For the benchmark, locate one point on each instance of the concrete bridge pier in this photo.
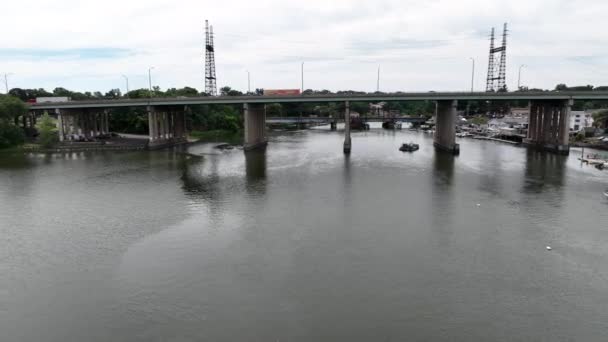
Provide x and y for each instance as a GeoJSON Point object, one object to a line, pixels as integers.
{"type": "Point", "coordinates": [445, 129]}
{"type": "Point", "coordinates": [347, 140]}
{"type": "Point", "coordinates": [166, 127]}
{"type": "Point", "coordinates": [333, 125]}
{"type": "Point", "coordinates": [60, 124]}
{"type": "Point", "coordinates": [548, 126]}
{"type": "Point", "coordinates": [255, 126]}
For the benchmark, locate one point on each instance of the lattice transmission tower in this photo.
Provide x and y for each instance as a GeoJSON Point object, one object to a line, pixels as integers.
{"type": "Point", "coordinates": [497, 82]}
{"type": "Point", "coordinates": [210, 80]}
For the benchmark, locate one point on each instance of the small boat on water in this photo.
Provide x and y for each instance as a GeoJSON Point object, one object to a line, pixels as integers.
{"type": "Point", "coordinates": [606, 193]}
{"type": "Point", "coordinates": [411, 147]}
{"type": "Point", "coordinates": [464, 134]}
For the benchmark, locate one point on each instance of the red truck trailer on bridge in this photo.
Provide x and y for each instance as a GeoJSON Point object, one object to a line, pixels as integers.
{"type": "Point", "coordinates": [281, 92]}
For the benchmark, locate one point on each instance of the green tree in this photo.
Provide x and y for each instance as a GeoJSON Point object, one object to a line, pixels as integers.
{"type": "Point", "coordinates": [139, 94]}
{"type": "Point", "coordinates": [479, 120]}
{"type": "Point", "coordinates": [48, 133]}
{"type": "Point", "coordinates": [600, 119]}
{"type": "Point", "coordinates": [274, 110]}
{"type": "Point", "coordinates": [11, 108]}
{"type": "Point", "coordinates": [227, 91]}
{"type": "Point", "coordinates": [113, 94]}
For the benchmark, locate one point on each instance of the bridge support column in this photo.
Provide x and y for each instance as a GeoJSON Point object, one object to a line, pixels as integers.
{"type": "Point", "coordinates": [152, 125]}
{"type": "Point", "coordinates": [347, 140]}
{"type": "Point", "coordinates": [563, 136]}
{"type": "Point", "coordinates": [171, 120]}
{"type": "Point", "coordinates": [75, 125]}
{"type": "Point", "coordinates": [95, 119]}
{"type": "Point", "coordinates": [445, 128]}
{"type": "Point", "coordinates": [161, 125]}
{"type": "Point", "coordinates": [549, 126]}
{"type": "Point", "coordinates": [255, 126]}
{"type": "Point", "coordinates": [60, 120]}
{"type": "Point", "coordinates": [532, 120]}
{"type": "Point", "coordinates": [104, 122]}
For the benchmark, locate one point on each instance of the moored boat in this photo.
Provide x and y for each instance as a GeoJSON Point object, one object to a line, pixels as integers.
{"type": "Point", "coordinates": [411, 147]}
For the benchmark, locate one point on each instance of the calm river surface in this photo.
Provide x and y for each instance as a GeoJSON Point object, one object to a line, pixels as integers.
{"type": "Point", "coordinates": [301, 243]}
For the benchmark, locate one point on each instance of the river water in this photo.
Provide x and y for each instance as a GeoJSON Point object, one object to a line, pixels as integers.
{"type": "Point", "coordinates": [301, 243]}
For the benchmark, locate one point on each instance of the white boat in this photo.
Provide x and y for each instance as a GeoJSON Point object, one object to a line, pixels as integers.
{"type": "Point", "coordinates": [606, 193]}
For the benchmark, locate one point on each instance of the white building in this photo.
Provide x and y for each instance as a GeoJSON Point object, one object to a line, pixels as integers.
{"type": "Point", "coordinates": [580, 119]}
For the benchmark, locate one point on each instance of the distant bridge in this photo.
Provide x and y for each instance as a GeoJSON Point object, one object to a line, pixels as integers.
{"type": "Point", "coordinates": [328, 120]}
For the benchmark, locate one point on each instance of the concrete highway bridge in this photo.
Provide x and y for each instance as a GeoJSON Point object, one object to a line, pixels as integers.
{"type": "Point", "coordinates": [549, 114]}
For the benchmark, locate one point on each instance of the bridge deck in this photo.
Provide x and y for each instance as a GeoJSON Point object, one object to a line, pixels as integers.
{"type": "Point", "coordinates": [430, 96]}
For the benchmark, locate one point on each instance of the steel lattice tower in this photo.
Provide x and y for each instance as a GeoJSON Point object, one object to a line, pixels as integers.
{"type": "Point", "coordinates": [490, 80]}
{"type": "Point", "coordinates": [497, 83]}
{"type": "Point", "coordinates": [210, 80]}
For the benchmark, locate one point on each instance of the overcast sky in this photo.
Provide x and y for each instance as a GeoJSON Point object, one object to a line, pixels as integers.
{"type": "Point", "coordinates": [419, 45]}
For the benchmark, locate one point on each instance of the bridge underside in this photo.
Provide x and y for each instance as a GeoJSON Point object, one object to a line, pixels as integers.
{"type": "Point", "coordinates": [83, 124]}
{"type": "Point", "coordinates": [549, 126]}
{"type": "Point", "coordinates": [255, 126]}
{"type": "Point", "coordinates": [166, 126]}
{"type": "Point", "coordinates": [445, 127]}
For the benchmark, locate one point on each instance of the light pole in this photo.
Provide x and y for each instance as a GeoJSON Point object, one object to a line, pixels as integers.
{"type": "Point", "coordinates": [519, 77]}
{"type": "Point", "coordinates": [472, 74]}
{"type": "Point", "coordinates": [378, 81]}
{"type": "Point", "coordinates": [150, 79]}
{"type": "Point", "coordinates": [126, 80]}
{"type": "Point", "coordinates": [302, 71]}
{"type": "Point", "coordinates": [248, 83]}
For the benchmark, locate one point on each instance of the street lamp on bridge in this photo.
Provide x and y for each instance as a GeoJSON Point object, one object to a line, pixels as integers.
{"type": "Point", "coordinates": [472, 74]}
{"type": "Point", "coordinates": [519, 77]}
{"type": "Point", "coordinates": [302, 72]}
{"type": "Point", "coordinates": [150, 79]}
{"type": "Point", "coordinates": [127, 81]}
{"type": "Point", "coordinates": [248, 83]}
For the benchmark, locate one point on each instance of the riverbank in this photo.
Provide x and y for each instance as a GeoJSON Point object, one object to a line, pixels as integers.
{"type": "Point", "coordinates": [603, 147]}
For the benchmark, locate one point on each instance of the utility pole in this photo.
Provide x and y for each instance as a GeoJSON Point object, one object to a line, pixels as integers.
{"type": "Point", "coordinates": [378, 81]}
{"type": "Point", "coordinates": [6, 81]}
{"type": "Point", "coordinates": [472, 74]}
{"type": "Point", "coordinates": [302, 71]}
{"type": "Point", "coordinates": [519, 77]}
{"type": "Point", "coordinates": [150, 79]}
{"type": "Point", "coordinates": [127, 81]}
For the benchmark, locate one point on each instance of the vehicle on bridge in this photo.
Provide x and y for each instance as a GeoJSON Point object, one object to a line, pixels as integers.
{"type": "Point", "coordinates": [51, 99]}
{"type": "Point", "coordinates": [281, 92]}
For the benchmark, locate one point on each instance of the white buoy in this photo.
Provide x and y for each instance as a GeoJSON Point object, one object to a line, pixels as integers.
{"type": "Point", "coordinates": [548, 248]}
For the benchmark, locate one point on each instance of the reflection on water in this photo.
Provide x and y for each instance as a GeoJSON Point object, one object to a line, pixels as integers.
{"type": "Point", "coordinates": [544, 171]}
{"type": "Point", "coordinates": [255, 169]}
{"type": "Point", "coordinates": [274, 244]}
